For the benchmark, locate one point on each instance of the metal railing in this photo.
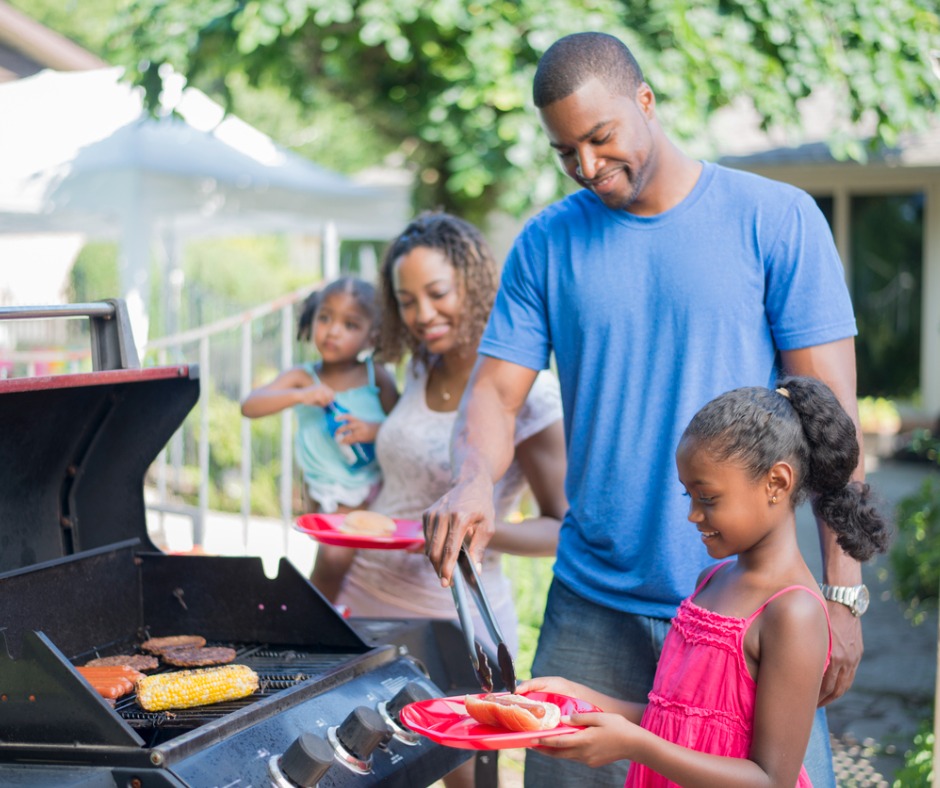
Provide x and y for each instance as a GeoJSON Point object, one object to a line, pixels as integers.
{"type": "Point", "coordinates": [194, 346]}
{"type": "Point", "coordinates": [190, 347]}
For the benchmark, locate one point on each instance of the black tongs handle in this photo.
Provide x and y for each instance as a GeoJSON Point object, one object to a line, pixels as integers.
{"type": "Point", "coordinates": [469, 571]}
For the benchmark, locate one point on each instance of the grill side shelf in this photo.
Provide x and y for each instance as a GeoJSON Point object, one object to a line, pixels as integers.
{"type": "Point", "coordinates": [46, 702]}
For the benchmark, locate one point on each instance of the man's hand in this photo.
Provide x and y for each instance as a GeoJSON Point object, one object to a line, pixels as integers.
{"type": "Point", "coordinates": [847, 651]}
{"type": "Point", "coordinates": [463, 514]}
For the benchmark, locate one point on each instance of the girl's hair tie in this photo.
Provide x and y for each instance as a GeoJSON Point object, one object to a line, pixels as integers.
{"type": "Point", "coordinates": [784, 392]}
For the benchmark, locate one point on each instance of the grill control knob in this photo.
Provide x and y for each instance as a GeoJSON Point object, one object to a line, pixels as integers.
{"type": "Point", "coordinates": [362, 731]}
{"type": "Point", "coordinates": [410, 693]}
{"type": "Point", "coordinates": [307, 760]}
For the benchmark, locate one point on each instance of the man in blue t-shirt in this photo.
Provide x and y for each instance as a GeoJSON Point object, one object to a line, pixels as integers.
{"type": "Point", "coordinates": [662, 283]}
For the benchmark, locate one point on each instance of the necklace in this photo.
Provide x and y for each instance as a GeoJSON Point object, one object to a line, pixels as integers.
{"type": "Point", "coordinates": [458, 380]}
{"type": "Point", "coordinates": [439, 369]}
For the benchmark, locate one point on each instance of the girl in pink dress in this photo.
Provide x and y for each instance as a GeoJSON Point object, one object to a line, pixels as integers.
{"type": "Point", "coordinates": [739, 677]}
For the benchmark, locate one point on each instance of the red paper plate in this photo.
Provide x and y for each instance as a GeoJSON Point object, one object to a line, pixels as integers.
{"type": "Point", "coordinates": [325, 529]}
{"type": "Point", "coordinates": [445, 721]}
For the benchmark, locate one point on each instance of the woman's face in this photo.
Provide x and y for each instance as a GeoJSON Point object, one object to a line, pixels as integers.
{"type": "Point", "coordinates": [430, 301]}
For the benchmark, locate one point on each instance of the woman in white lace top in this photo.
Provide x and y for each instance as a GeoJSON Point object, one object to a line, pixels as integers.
{"type": "Point", "coordinates": [439, 280]}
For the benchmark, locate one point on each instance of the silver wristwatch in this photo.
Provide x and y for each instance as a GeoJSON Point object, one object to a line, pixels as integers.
{"type": "Point", "coordinates": [855, 598]}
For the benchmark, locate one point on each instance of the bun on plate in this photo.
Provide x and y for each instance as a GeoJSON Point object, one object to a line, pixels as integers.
{"type": "Point", "coordinates": [513, 712]}
{"type": "Point", "coordinates": [367, 524]}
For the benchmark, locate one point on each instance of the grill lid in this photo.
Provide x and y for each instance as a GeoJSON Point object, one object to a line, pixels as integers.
{"type": "Point", "coordinates": [74, 451]}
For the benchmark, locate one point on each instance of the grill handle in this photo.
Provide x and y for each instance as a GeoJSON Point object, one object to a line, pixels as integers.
{"type": "Point", "coordinates": [112, 341]}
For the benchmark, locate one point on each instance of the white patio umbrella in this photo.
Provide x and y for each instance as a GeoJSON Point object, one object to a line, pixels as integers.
{"type": "Point", "coordinates": [79, 155]}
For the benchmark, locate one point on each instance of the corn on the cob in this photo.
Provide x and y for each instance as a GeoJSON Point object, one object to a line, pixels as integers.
{"type": "Point", "coordinates": [186, 688]}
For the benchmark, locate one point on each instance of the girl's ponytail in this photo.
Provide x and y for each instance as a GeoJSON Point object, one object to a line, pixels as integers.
{"type": "Point", "coordinates": [832, 455]}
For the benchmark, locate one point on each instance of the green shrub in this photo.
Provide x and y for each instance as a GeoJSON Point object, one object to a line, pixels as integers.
{"type": "Point", "coordinates": [918, 762]}
{"type": "Point", "coordinates": [925, 445]}
{"type": "Point", "coordinates": [915, 556]}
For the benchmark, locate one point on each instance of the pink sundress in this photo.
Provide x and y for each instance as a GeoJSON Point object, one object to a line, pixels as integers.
{"type": "Point", "coordinates": [703, 696]}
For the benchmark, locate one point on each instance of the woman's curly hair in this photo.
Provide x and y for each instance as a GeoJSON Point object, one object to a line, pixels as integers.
{"type": "Point", "coordinates": [477, 279]}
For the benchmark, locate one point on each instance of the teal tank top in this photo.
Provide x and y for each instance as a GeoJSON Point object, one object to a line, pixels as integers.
{"type": "Point", "coordinates": [318, 454]}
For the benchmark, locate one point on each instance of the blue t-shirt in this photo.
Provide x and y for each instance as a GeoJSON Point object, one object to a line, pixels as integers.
{"type": "Point", "coordinates": [649, 318]}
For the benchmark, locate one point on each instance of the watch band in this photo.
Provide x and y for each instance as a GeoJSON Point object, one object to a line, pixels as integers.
{"type": "Point", "coordinates": [853, 597]}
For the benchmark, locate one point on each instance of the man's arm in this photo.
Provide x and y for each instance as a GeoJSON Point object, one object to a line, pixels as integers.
{"type": "Point", "coordinates": [834, 364]}
{"type": "Point", "coordinates": [481, 451]}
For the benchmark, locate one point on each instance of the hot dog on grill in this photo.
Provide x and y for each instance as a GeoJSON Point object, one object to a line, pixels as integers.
{"type": "Point", "coordinates": [513, 712]}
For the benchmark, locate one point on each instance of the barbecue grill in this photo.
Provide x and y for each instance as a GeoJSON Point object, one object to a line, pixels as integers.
{"type": "Point", "coordinates": [80, 578]}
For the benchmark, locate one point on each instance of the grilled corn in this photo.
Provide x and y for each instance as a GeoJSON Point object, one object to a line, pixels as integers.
{"type": "Point", "coordinates": [186, 688]}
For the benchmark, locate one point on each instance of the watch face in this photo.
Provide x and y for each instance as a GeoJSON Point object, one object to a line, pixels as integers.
{"type": "Point", "coordinates": [861, 602]}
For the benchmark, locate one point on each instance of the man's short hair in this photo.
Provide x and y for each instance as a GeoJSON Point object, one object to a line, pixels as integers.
{"type": "Point", "coordinates": [573, 60]}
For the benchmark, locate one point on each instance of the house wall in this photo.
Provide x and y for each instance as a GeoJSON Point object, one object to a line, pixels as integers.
{"type": "Point", "coordinates": [841, 181]}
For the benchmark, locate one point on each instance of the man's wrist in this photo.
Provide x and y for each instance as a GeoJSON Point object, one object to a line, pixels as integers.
{"type": "Point", "coordinates": [856, 597]}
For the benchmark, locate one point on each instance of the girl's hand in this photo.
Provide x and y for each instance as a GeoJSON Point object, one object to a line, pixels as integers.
{"type": "Point", "coordinates": [319, 395]}
{"type": "Point", "coordinates": [356, 430]}
{"type": "Point", "coordinates": [606, 738]}
{"type": "Point", "coordinates": [556, 684]}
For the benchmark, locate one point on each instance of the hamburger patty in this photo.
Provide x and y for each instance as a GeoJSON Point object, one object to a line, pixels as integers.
{"type": "Point", "coordinates": [135, 661]}
{"type": "Point", "coordinates": [197, 657]}
{"type": "Point", "coordinates": [159, 645]}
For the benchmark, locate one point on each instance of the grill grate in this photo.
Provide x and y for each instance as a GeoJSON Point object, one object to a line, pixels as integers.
{"type": "Point", "coordinates": [277, 670]}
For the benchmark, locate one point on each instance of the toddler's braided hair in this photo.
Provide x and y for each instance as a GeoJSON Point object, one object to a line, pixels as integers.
{"type": "Point", "coordinates": [362, 292]}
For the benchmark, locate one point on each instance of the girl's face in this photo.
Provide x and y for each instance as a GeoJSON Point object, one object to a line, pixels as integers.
{"type": "Point", "coordinates": [430, 302]}
{"type": "Point", "coordinates": [730, 509]}
{"type": "Point", "coordinates": [340, 328]}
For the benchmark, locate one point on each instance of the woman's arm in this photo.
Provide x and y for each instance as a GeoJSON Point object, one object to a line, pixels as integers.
{"type": "Point", "coordinates": [293, 387]}
{"type": "Point", "coordinates": [542, 460]}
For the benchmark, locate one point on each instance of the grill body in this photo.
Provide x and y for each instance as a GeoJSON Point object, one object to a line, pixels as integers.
{"type": "Point", "coordinates": [79, 578]}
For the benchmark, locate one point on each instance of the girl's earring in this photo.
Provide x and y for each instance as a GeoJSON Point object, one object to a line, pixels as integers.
{"type": "Point", "coordinates": [774, 499]}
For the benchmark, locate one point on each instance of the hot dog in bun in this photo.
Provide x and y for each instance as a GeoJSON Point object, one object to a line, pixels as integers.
{"type": "Point", "coordinates": [367, 524]}
{"type": "Point", "coordinates": [513, 712]}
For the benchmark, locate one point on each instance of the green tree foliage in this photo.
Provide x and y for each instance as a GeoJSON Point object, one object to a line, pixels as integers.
{"type": "Point", "coordinates": [449, 80]}
{"type": "Point", "coordinates": [94, 276]}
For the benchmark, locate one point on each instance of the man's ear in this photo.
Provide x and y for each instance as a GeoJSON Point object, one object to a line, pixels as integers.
{"type": "Point", "coordinates": [646, 100]}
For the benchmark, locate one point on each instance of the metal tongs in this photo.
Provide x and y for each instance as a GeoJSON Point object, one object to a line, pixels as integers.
{"type": "Point", "coordinates": [468, 577]}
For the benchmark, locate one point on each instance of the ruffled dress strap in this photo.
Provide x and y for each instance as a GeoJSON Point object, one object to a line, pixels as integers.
{"type": "Point", "coordinates": [708, 577]}
{"type": "Point", "coordinates": [756, 613]}
{"type": "Point", "coordinates": [370, 371]}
